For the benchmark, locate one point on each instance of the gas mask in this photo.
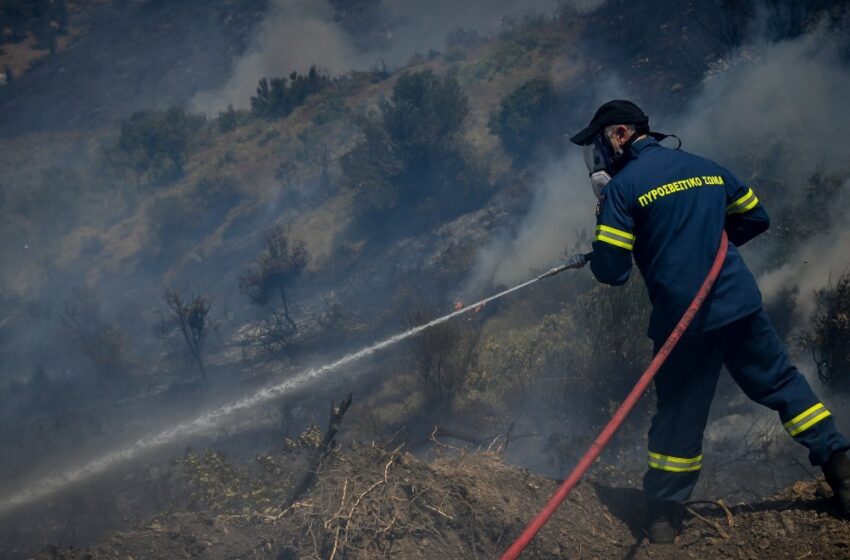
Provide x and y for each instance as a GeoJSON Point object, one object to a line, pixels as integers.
{"type": "Point", "coordinates": [599, 158]}
{"type": "Point", "coordinates": [603, 162]}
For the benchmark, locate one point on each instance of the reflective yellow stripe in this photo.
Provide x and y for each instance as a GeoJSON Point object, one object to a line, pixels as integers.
{"type": "Point", "coordinates": [615, 231]}
{"type": "Point", "coordinates": [752, 204]}
{"type": "Point", "coordinates": [806, 419]}
{"type": "Point", "coordinates": [743, 204]}
{"type": "Point", "coordinates": [674, 464]}
{"type": "Point", "coordinates": [803, 414]}
{"type": "Point", "coordinates": [812, 422]}
{"type": "Point", "coordinates": [615, 237]}
{"type": "Point", "coordinates": [674, 469]}
{"type": "Point", "coordinates": [671, 459]}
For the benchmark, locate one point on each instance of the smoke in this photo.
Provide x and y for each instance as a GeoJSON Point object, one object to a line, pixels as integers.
{"type": "Point", "coordinates": [296, 35]}
{"type": "Point", "coordinates": [424, 25]}
{"type": "Point", "coordinates": [300, 33]}
{"type": "Point", "coordinates": [811, 267]}
{"type": "Point", "coordinates": [775, 109]}
{"type": "Point", "coordinates": [208, 420]}
{"type": "Point", "coordinates": [562, 207]}
{"type": "Point", "coordinates": [560, 215]}
{"type": "Point", "coordinates": [774, 116]}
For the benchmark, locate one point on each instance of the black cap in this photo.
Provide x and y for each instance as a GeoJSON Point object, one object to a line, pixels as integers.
{"type": "Point", "coordinates": [618, 111]}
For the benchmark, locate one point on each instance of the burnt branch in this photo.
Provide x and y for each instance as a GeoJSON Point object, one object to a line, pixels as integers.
{"type": "Point", "coordinates": [306, 481]}
{"type": "Point", "coordinates": [190, 316]}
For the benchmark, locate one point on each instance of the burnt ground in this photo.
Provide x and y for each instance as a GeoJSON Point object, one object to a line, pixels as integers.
{"type": "Point", "coordinates": [373, 503]}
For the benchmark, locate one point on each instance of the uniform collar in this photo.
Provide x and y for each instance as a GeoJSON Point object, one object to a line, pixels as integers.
{"type": "Point", "coordinates": [642, 144]}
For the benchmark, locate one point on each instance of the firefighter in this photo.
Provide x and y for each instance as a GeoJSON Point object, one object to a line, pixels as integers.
{"type": "Point", "coordinates": [667, 208]}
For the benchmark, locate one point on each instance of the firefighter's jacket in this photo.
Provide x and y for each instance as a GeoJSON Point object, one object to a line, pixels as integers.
{"type": "Point", "coordinates": [667, 208]}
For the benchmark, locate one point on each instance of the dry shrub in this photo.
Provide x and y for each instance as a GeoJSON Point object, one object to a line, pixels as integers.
{"type": "Point", "coordinates": [260, 489]}
{"type": "Point", "coordinates": [608, 347]}
{"type": "Point", "coordinates": [590, 350]}
{"type": "Point", "coordinates": [829, 338]}
{"type": "Point", "coordinates": [190, 316]}
{"type": "Point", "coordinates": [275, 269]}
{"type": "Point", "coordinates": [372, 503]}
{"type": "Point", "coordinates": [102, 343]}
{"type": "Point", "coordinates": [441, 356]}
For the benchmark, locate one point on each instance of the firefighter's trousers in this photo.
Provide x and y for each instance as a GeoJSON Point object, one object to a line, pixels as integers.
{"type": "Point", "coordinates": [685, 385]}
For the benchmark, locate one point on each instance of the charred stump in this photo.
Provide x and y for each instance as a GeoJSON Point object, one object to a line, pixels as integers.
{"type": "Point", "coordinates": [318, 455]}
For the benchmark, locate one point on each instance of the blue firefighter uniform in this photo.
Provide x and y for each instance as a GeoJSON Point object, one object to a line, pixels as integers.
{"type": "Point", "coordinates": [667, 208]}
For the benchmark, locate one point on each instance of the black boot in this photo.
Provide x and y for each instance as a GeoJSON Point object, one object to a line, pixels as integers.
{"type": "Point", "coordinates": [837, 473]}
{"type": "Point", "coordinates": [663, 520]}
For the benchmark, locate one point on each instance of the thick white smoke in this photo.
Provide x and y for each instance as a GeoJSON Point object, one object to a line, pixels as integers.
{"type": "Point", "coordinates": [772, 115]}
{"type": "Point", "coordinates": [775, 109]}
{"type": "Point", "coordinates": [811, 267]}
{"type": "Point", "coordinates": [561, 208]}
{"type": "Point", "coordinates": [300, 33]}
{"type": "Point", "coordinates": [295, 35]}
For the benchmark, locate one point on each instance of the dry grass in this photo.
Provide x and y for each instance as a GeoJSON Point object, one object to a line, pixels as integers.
{"type": "Point", "coordinates": [320, 227]}
{"type": "Point", "coordinates": [20, 56]}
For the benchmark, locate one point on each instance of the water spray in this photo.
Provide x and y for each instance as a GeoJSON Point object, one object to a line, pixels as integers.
{"type": "Point", "coordinates": [49, 485]}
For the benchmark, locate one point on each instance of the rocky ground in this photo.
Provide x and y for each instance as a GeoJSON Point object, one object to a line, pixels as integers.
{"type": "Point", "coordinates": [370, 503]}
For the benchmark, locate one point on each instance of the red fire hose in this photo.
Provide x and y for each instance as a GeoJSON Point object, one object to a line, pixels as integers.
{"type": "Point", "coordinates": [597, 446]}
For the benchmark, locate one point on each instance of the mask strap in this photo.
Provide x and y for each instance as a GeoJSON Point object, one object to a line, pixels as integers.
{"type": "Point", "coordinates": [660, 136]}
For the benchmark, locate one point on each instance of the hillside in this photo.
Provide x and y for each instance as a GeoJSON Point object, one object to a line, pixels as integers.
{"type": "Point", "coordinates": [370, 503]}
{"type": "Point", "coordinates": [100, 85]}
{"type": "Point", "coordinates": [160, 267]}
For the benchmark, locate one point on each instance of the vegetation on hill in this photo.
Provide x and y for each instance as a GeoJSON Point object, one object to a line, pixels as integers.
{"type": "Point", "coordinates": [829, 339]}
{"type": "Point", "coordinates": [413, 161]}
{"type": "Point", "coordinates": [333, 212]}
{"type": "Point", "coordinates": [156, 143]}
{"type": "Point", "coordinates": [529, 118]}
{"type": "Point", "coordinates": [278, 97]}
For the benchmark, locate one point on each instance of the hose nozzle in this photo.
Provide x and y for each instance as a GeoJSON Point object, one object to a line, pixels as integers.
{"type": "Point", "coordinates": [576, 261]}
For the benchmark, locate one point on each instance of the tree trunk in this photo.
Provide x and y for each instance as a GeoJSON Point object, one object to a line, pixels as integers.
{"type": "Point", "coordinates": [306, 481]}
{"type": "Point", "coordinates": [286, 315]}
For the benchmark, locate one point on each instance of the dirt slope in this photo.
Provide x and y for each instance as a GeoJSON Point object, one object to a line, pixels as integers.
{"type": "Point", "coordinates": [370, 503]}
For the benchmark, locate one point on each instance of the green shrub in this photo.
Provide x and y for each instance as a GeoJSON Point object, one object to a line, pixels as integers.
{"type": "Point", "coordinates": [529, 119]}
{"type": "Point", "coordinates": [231, 118]}
{"type": "Point", "coordinates": [274, 271]}
{"type": "Point", "coordinates": [591, 351]}
{"type": "Point", "coordinates": [215, 195]}
{"type": "Point", "coordinates": [156, 143]}
{"type": "Point", "coordinates": [329, 110]}
{"type": "Point", "coordinates": [370, 169]}
{"type": "Point", "coordinates": [178, 220]}
{"type": "Point", "coordinates": [278, 97]}
{"type": "Point", "coordinates": [440, 357]}
{"type": "Point", "coordinates": [425, 115]}
{"type": "Point", "coordinates": [413, 159]}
